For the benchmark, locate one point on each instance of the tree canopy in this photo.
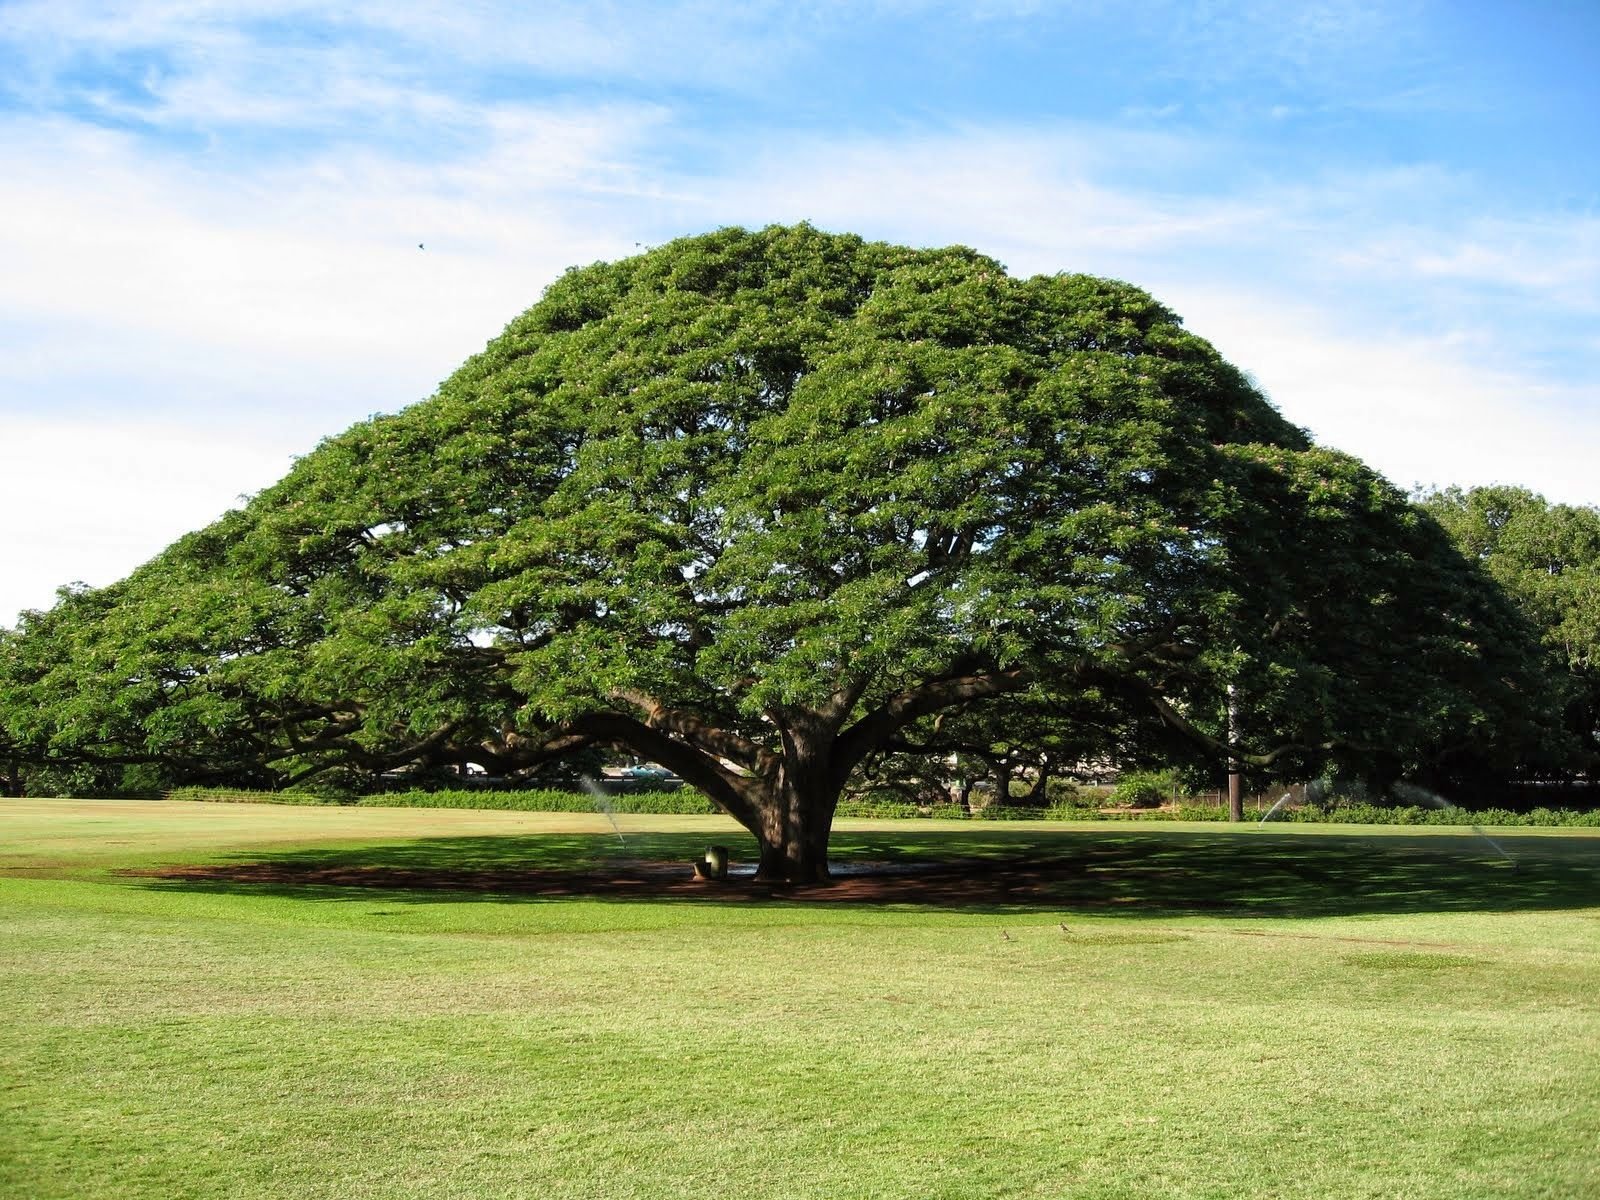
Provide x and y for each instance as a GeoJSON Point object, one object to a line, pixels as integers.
{"type": "Point", "coordinates": [1547, 558]}
{"type": "Point", "coordinates": [756, 504]}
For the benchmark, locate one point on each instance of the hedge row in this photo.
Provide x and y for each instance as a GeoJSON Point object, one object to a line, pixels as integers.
{"type": "Point", "coordinates": [680, 801]}
{"type": "Point", "coordinates": [684, 800]}
{"type": "Point", "coordinates": [1414, 814]}
{"type": "Point", "coordinates": [689, 801]}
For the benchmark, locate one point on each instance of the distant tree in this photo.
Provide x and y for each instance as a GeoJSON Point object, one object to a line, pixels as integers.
{"type": "Point", "coordinates": [1010, 748]}
{"type": "Point", "coordinates": [760, 506]}
{"type": "Point", "coordinates": [1547, 558]}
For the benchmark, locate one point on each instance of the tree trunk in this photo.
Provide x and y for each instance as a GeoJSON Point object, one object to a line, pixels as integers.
{"type": "Point", "coordinates": [1002, 783]}
{"type": "Point", "coordinates": [795, 824]}
{"type": "Point", "coordinates": [1235, 767]}
{"type": "Point", "coordinates": [796, 811]}
{"type": "Point", "coordinates": [1039, 793]}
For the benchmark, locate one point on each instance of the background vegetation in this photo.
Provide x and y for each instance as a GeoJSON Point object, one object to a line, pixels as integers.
{"type": "Point", "coordinates": [1075, 806]}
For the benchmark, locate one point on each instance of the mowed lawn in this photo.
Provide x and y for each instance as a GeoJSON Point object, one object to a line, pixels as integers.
{"type": "Point", "coordinates": [1200, 1011]}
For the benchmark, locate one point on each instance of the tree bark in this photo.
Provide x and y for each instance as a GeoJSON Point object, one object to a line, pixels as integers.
{"type": "Point", "coordinates": [785, 800]}
{"type": "Point", "coordinates": [796, 808]}
{"type": "Point", "coordinates": [1039, 793]}
{"type": "Point", "coordinates": [1002, 782]}
{"type": "Point", "coordinates": [1235, 767]}
{"type": "Point", "coordinates": [793, 835]}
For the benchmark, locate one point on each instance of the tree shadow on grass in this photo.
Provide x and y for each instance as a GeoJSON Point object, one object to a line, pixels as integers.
{"type": "Point", "coordinates": [1157, 872]}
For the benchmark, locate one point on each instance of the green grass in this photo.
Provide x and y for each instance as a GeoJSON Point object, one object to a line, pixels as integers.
{"type": "Point", "coordinates": [1299, 1012]}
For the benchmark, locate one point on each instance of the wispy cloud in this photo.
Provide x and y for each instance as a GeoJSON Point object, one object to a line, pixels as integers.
{"type": "Point", "coordinates": [171, 61]}
{"type": "Point", "coordinates": [1554, 260]}
{"type": "Point", "coordinates": [316, 262]}
{"type": "Point", "coordinates": [120, 493]}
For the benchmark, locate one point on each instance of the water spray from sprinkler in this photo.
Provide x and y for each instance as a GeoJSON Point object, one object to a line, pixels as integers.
{"type": "Point", "coordinates": [1282, 800]}
{"type": "Point", "coordinates": [1408, 791]}
{"type": "Point", "coordinates": [602, 802]}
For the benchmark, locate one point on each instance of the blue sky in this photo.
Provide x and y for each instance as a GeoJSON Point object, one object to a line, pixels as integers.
{"type": "Point", "coordinates": [1389, 213]}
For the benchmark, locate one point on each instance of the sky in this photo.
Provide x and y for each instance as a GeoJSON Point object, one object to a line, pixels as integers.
{"type": "Point", "coordinates": [232, 229]}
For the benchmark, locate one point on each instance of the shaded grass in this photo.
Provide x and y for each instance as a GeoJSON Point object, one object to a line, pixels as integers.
{"type": "Point", "coordinates": [1362, 1016]}
{"type": "Point", "coordinates": [1145, 873]}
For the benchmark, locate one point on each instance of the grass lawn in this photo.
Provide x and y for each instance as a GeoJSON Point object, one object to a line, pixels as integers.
{"type": "Point", "coordinates": [1307, 1011]}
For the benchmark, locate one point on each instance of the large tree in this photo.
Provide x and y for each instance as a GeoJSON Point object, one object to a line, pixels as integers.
{"type": "Point", "coordinates": [1547, 558]}
{"type": "Point", "coordinates": [754, 504]}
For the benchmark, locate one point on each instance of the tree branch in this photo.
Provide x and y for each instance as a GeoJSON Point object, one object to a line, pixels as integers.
{"type": "Point", "coordinates": [734, 793]}
{"type": "Point", "coordinates": [712, 739]}
{"type": "Point", "coordinates": [1218, 747]}
{"type": "Point", "coordinates": [875, 729]}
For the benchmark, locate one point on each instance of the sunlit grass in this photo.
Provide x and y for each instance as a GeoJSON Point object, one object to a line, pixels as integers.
{"type": "Point", "coordinates": [1205, 1013]}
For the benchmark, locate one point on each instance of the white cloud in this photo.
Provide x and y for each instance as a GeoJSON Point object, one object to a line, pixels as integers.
{"type": "Point", "coordinates": [1553, 259]}
{"type": "Point", "coordinates": [264, 60]}
{"type": "Point", "coordinates": [1420, 410]}
{"type": "Point", "coordinates": [305, 269]}
{"type": "Point", "coordinates": [179, 334]}
{"type": "Point", "coordinates": [89, 502]}
{"type": "Point", "coordinates": [1040, 200]}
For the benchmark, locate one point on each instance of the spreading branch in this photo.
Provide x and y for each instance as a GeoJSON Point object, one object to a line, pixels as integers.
{"type": "Point", "coordinates": [872, 731]}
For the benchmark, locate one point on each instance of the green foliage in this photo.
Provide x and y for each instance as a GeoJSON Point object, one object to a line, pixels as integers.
{"type": "Point", "coordinates": [885, 809]}
{"type": "Point", "coordinates": [1144, 789]}
{"type": "Point", "coordinates": [1009, 812]}
{"type": "Point", "coordinates": [1546, 555]}
{"type": "Point", "coordinates": [1064, 793]}
{"type": "Point", "coordinates": [686, 801]}
{"type": "Point", "coordinates": [683, 800]}
{"type": "Point", "coordinates": [1547, 558]}
{"type": "Point", "coordinates": [1359, 813]}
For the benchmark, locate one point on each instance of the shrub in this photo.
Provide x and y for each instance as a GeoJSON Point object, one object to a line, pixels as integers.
{"type": "Point", "coordinates": [688, 801]}
{"type": "Point", "coordinates": [1010, 812]}
{"type": "Point", "coordinates": [681, 801]}
{"type": "Point", "coordinates": [215, 795]}
{"type": "Point", "coordinates": [1144, 789]}
{"type": "Point", "coordinates": [1062, 793]}
{"type": "Point", "coordinates": [1206, 812]}
{"type": "Point", "coordinates": [949, 812]}
{"type": "Point", "coordinates": [1071, 812]}
{"type": "Point", "coordinates": [883, 809]}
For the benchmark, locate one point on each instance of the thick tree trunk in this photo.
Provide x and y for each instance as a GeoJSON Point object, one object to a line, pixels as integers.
{"type": "Point", "coordinates": [794, 837]}
{"type": "Point", "coordinates": [796, 812]}
{"type": "Point", "coordinates": [786, 800]}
